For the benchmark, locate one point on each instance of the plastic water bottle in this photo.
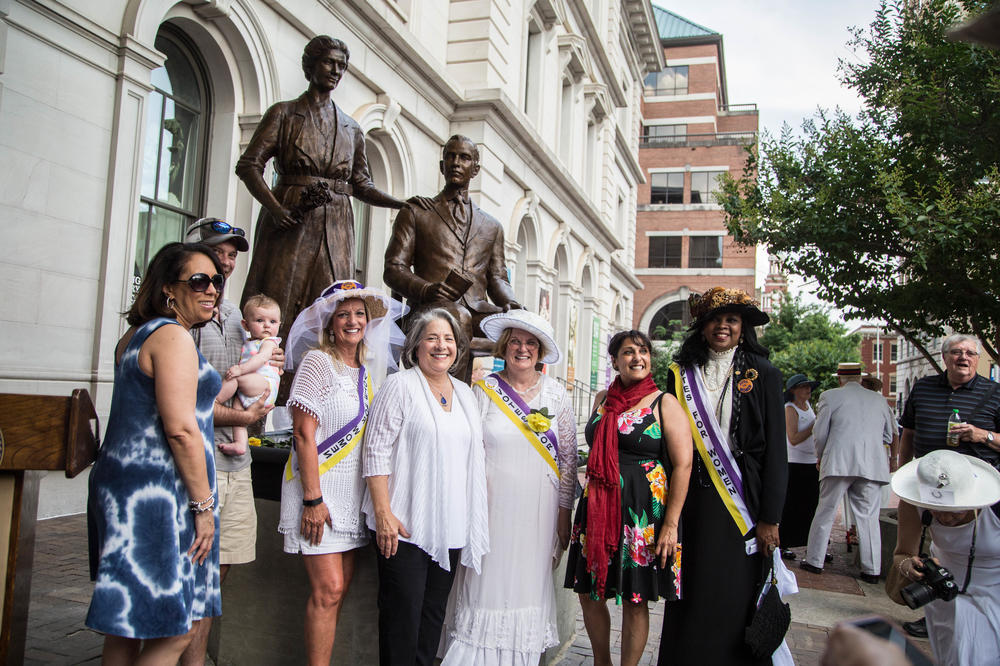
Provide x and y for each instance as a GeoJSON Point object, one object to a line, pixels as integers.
{"type": "Point", "coordinates": [953, 420]}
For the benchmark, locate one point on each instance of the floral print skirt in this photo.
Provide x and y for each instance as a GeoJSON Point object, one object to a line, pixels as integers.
{"type": "Point", "coordinates": [634, 573]}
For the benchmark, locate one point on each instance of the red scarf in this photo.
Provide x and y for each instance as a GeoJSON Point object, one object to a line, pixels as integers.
{"type": "Point", "coordinates": [604, 491]}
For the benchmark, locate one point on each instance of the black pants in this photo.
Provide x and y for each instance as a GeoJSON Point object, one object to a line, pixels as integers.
{"type": "Point", "coordinates": [412, 597]}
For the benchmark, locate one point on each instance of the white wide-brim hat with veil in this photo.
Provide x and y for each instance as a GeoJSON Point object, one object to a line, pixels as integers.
{"type": "Point", "coordinates": [383, 338]}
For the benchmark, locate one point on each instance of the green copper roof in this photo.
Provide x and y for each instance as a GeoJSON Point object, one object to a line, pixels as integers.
{"type": "Point", "coordinates": [672, 26]}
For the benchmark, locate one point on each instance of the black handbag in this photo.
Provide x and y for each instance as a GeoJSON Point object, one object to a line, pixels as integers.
{"type": "Point", "coordinates": [770, 620]}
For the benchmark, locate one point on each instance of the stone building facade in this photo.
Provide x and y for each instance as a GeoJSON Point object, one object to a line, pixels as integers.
{"type": "Point", "coordinates": [122, 120]}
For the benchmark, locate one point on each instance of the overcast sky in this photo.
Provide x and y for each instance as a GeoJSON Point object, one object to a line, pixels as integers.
{"type": "Point", "coordinates": [782, 54]}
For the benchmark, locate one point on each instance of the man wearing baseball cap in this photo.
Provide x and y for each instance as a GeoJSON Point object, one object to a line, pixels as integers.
{"type": "Point", "coordinates": [220, 342]}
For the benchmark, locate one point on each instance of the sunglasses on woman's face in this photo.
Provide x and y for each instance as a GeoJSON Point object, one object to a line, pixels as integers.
{"type": "Point", "coordinates": [220, 227]}
{"type": "Point", "coordinates": [200, 281]}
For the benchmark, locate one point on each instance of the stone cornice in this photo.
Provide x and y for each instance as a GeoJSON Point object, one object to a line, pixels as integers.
{"type": "Point", "coordinates": [494, 107]}
{"type": "Point", "coordinates": [643, 25]}
{"type": "Point", "coordinates": [625, 273]}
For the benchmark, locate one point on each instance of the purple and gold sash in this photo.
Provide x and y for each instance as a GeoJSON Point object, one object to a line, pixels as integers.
{"type": "Point", "coordinates": [713, 447]}
{"type": "Point", "coordinates": [513, 407]}
{"type": "Point", "coordinates": [335, 448]}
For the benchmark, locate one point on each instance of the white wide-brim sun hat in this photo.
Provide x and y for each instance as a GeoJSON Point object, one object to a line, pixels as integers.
{"type": "Point", "coordinates": [525, 320]}
{"type": "Point", "coordinates": [947, 481]}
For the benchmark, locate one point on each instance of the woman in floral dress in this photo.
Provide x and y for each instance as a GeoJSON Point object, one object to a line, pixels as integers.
{"type": "Point", "coordinates": [625, 542]}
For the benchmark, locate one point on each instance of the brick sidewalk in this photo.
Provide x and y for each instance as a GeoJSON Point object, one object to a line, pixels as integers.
{"type": "Point", "coordinates": [60, 594]}
{"type": "Point", "coordinates": [61, 590]}
{"type": "Point", "coordinates": [806, 641]}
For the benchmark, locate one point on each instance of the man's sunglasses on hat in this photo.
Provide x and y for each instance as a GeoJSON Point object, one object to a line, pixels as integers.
{"type": "Point", "coordinates": [220, 227]}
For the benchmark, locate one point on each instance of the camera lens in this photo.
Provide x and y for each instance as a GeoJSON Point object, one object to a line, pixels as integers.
{"type": "Point", "coordinates": [917, 594]}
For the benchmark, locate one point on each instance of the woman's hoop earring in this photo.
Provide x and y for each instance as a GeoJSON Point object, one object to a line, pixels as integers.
{"type": "Point", "coordinates": [171, 301]}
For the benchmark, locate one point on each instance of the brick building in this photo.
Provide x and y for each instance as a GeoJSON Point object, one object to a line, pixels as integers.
{"type": "Point", "coordinates": [879, 355]}
{"type": "Point", "coordinates": [691, 135]}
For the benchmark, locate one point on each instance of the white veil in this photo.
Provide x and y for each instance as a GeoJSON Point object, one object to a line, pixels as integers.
{"type": "Point", "coordinates": [383, 338]}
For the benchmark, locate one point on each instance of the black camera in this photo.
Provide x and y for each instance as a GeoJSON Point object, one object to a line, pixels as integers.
{"type": "Point", "coordinates": [938, 583]}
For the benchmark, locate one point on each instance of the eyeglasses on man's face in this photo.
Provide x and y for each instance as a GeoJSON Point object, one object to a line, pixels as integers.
{"type": "Point", "coordinates": [959, 353]}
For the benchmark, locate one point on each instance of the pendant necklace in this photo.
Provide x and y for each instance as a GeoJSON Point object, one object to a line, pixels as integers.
{"type": "Point", "coordinates": [440, 393]}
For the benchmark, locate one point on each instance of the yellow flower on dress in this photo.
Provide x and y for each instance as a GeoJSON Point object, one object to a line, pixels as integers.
{"type": "Point", "coordinates": [254, 441]}
{"type": "Point", "coordinates": [658, 483]}
{"type": "Point", "coordinates": [649, 537]}
{"type": "Point", "coordinates": [539, 420]}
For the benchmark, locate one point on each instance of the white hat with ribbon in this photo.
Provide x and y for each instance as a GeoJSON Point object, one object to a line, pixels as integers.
{"type": "Point", "coordinates": [525, 320]}
{"type": "Point", "coordinates": [947, 481]}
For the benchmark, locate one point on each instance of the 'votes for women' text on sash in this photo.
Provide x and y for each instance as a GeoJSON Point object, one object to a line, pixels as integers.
{"type": "Point", "coordinates": [513, 407]}
{"type": "Point", "coordinates": [336, 447]}
{"type": "Point", "coordinates": [713, 447]}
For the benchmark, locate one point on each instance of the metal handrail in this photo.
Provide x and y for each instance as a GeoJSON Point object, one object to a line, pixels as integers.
{"type": "Point", "coordinates": [716, 139]}
{"type": "Point", "coordinates": [738, 108]}
{"type": "Point", "coordinates": [582, 397]}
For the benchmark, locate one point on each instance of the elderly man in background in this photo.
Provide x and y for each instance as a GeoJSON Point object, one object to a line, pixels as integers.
{"type": "Point", "coordinates": [852, 427]}
{"type": "Point", "coordinates": [220, 342]}
{"type": "Point", "coordinates": [935, 398]}
{"type": "Point", "coordinates": [925, 419]}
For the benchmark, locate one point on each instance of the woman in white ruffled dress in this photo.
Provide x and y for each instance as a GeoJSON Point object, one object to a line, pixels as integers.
{"type": "Point", "coordinates": [505, 615]}
{"type": "Point", "coordinates": [340, 349]}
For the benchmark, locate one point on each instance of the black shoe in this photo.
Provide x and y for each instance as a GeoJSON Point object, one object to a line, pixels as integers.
{"type": "Point", "coordinates": [917, 628]}
{"type": "Point", "coordinates": [872, 579]}
{"type": "Point", "coordinates": [787, 554]}
{"type": "Point", "coordinates": [805, 566]}
{"type": "Point", "coordinates": [828, 558]}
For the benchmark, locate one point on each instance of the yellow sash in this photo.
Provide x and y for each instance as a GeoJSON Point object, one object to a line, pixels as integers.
{"type": "Point", "coordinates": [519, 422]}
{"type": "Point", "coordinates": [345, 444]}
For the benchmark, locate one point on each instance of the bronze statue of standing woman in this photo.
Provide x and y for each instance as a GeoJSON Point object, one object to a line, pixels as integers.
{"type": "Point", "coordinates": [305, 234]}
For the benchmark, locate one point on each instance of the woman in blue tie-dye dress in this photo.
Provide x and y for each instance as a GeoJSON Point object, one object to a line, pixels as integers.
{"type": "Point", "coordinates": [154, 546]}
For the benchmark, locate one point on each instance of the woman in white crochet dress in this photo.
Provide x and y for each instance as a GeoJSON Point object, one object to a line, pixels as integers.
{"type": "Point", "coordinates": [339, 347]}
{"type": "Point", "coordinates": [506, 614]}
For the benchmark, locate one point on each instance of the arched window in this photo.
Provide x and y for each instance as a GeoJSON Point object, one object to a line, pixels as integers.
{"type": "Point", "coordinates": [173, 160]}
{"type": "Point", "coordinates": [671, 318]}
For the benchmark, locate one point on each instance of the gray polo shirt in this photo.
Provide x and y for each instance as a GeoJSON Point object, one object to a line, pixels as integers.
{"type": "Point", "coordinates": [220, 342]}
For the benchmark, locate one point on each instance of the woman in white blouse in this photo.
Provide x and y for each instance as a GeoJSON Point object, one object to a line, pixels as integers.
{"type": "Point", "coordinates": [322, 487]}
{"type": "Point", "coordinates": [506, 613]}
{"type": "Point", "coordinates": [426, 501]}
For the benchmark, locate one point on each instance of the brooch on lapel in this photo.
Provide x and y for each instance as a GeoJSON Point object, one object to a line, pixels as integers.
{"type": "Point", "coordinates": [745, 385]}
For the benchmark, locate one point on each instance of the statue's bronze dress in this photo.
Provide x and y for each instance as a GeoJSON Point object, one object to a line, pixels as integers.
{"type": "Point", "coordinates": [294, 265]}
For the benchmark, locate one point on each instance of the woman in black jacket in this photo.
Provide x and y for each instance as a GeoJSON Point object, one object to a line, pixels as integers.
{"type": "Point", "coordinates": [732, 394]}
